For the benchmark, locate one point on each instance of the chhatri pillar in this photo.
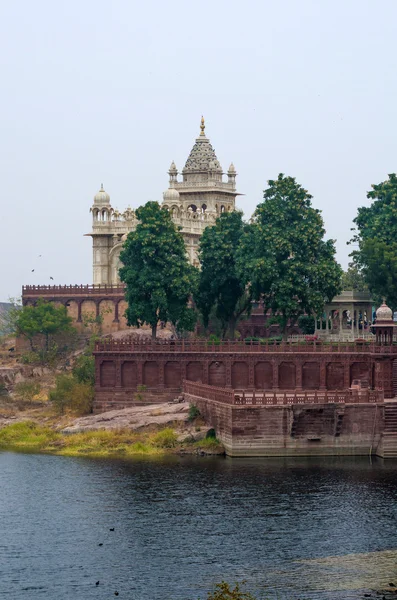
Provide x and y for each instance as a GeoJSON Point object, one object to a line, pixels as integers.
{"type": "Point", "coordinates": [384, 326]}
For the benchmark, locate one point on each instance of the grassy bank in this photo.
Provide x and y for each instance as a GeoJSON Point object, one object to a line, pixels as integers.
{"type": "Point", "coordinates": [28, 436]}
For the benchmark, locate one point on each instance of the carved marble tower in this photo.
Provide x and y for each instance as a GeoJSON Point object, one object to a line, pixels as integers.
{"type": "Point", "coordinates": [194, 203]}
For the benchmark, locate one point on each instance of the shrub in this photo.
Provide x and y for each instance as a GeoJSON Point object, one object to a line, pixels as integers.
{"type": "Point", "coordinates": [193, 413]}
{"type": "Point", "coordinates": [248, 340]}
{"type": "Point", "coordinates": [84, 369]}
{"type": "Point", "coordinates": [211, 434]}
{"type": "Point", "coordinates": [306, 324]}
{"type": "Point", "coordinates": [166, 438]}
{"type": "Point", "coordinates": [69, 393]}
{"type": "Point", "coordinates": [27, 390]}
{"type": "Point", "coordinates": [223, 591]}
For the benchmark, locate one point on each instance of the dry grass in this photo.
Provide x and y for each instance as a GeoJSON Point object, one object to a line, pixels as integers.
{"type": "Point", "coordinates": [29, 436]}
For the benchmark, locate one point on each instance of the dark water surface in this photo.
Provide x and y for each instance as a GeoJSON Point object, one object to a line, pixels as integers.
{"type": "Point", "coordinates": [304, 528]}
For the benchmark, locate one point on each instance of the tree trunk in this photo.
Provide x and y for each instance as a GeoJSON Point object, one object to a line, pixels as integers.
{"type": "Point", "coordinates": [154, 331]}
{"type": "Point", "coordinates": [284, 328]}
{"type": "Point", "coordinates": [232, 327]}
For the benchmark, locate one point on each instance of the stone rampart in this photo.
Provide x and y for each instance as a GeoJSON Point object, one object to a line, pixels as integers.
{"type": "Point", "coordinates": [122, 366]}
{"type": "Point", "coordinates": [347, 422]}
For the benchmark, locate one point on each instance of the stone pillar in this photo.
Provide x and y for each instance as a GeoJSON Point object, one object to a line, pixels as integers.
{"type": "Point", "coordinates": [298, 371]}
{"type": "Point", "coordinates": [323, 375]}
{"type": "Point", "coordinates": [378, 384]}
{"type": "Point", "coordinates": [340, 320]}
{"type": "Point", "coordinates": [228, 366]}
{"type": "Point", "coordinates": [116, 311]}
{"type": "Point", "coordinates": [161, 373]}
{"type": "Point", "coordinates": [346, 374]}
{"type": "Point", "coordinates": [98, 372]}
{"type": "Point", "coordinates": [251, 374]}
{"type": "Point", "coordinates": [275, 374]}
{"type": "Point", "coordinates": [205, 371]}
{"type": "Point", "coordinates": [139, 372]}
{"type": "Point", "coordinates": [79, 305]}
{"type": "Point", "coordinates": [118, 372]}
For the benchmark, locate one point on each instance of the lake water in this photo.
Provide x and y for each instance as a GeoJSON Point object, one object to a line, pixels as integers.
{"type": "Point", "coordinates": [305, 528]}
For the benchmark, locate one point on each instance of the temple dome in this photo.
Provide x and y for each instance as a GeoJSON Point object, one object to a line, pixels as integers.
{"type": "Point", "coordinates": [201, 155]}
{"type": "Point", "coordinates": [232, 168]}
{"type": "Point", "coordinates": [102, 197]}
{"type": "Point", "coordinates": [173, 170]}
{"type": "Point", "coordinates": [171, 195]}
{"type": "Point", "coordinates": [384, 313]}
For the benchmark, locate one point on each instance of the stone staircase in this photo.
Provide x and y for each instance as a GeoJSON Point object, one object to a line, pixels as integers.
{"type": "Point", "coordinates": [390, 431]}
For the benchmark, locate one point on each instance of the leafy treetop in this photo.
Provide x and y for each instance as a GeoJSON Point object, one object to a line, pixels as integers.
{"type": "Point", "coordinates": [158, 276]}
{"type": "Point", "coordinates": [40, 323]}
{"type": "Point", "coordinates": [221, 285]}
{"type": "Point", "coordinates": [284, 255]}
{"type": "Point", "coordinates": [376, 236]}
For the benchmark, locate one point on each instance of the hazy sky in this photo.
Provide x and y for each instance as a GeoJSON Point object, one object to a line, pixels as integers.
{"type": "Point", "coordinates": [112, 91]}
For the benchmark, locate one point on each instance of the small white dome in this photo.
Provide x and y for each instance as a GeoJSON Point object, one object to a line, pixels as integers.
{"type": "Point", "coordinates": [171, 195]}
{"type": "Point", "coordinates": [173, 169]}
{"type": "Point", "coordinates": [384, 313]}
{"type": "Point", "coordinates": [102, 197]}
{"type": "Point", "coordinates": [232, 168]}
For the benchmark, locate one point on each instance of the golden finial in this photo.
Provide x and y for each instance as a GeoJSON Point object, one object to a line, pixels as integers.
{"type": "Point", "coordinates": [202, 126]}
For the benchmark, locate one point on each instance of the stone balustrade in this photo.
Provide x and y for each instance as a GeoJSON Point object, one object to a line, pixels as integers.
{"type": "Point", "coordinates": [224, 346]}
{"type": "Point", "coordinates": [280, 398]}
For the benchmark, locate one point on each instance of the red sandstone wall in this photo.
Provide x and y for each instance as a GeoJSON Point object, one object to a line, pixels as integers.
{"type": "Point", "coordinates": [296, 430]}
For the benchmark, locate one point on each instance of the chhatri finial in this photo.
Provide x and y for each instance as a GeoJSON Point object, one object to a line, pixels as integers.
{"type": "Point", "coordinates": [202, 126]}
{"type": "Point", "coordinates": [101, 187]}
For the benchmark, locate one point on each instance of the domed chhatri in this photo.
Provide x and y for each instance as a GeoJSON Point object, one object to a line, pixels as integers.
{"type": "Point", "coordinates": [101, 197]}
{"type": "Point", "coordinates": [384, 313]}
{"type": "Point", "coordinates": [173, 170]}
{"type": "Point", "coordinates": [171, 195]}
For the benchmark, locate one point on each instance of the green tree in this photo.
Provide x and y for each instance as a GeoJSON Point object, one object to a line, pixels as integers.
{"type": "Point", "coordinates": [222, 286]}
{"type": "Point", "coordinates": [84, 369]}
{"type": "Point", "coordinates": [158, 277]}
{"type": "Point", "coordinates": [376, 237]}
{"type": "Point", "coordinates": [353, 279]}
{"type": "Point", "coordinates": [40, 324]}
{"type": "Point", "coordinates": [71, 394]}
{"type": "Point", "coordinates": [306, 324]}
{"type": "Point", "coordinates": [284, 255]}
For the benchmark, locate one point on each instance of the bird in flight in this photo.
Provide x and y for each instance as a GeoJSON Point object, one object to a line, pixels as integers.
{"type": "Point", "coordinates": [52, 278]}
{"type": "Point", "coordinates": [32, 270]}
